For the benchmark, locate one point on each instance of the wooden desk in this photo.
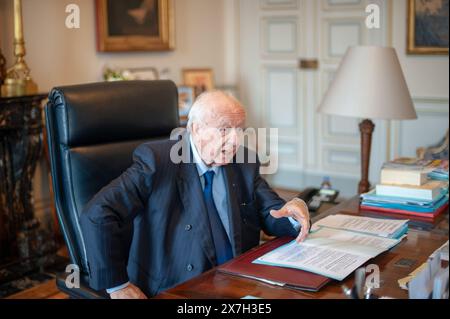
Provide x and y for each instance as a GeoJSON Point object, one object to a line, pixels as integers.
{"type": "Point", "coordinates": [418, 246]}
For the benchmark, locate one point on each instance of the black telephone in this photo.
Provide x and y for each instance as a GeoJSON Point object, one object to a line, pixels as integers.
{"type": "Point", "coordinates": [314, 197]}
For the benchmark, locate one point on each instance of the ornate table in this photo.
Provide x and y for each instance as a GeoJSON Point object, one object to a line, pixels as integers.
{"type": "Point", "coordinates": [21, 129]}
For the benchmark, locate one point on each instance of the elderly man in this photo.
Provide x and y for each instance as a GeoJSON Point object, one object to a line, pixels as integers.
{"type": "Point", "coordinates": [162, 222]}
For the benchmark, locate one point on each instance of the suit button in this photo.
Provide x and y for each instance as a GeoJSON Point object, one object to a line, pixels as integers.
{"type": "Point", "coordinates": [189, 267]}
{"type": "Point", "coordinates": [188, 227]}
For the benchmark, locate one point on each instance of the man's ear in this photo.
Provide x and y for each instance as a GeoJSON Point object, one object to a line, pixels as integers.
{"type": "Point", "coordinates": [195, 128]}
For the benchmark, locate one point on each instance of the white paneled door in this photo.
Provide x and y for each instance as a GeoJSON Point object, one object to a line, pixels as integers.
{"type": "Point", "coordinates": [289, 53]}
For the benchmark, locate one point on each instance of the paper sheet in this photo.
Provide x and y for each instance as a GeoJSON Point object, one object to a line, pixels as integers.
{"type": "Point", "coordinates": [403, 283]}
{"type": "Point", "coordinates": [372, 226]}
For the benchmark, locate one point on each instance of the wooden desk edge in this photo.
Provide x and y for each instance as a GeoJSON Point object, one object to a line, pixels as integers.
{"type": "Point", "coordinates": [390, 272]}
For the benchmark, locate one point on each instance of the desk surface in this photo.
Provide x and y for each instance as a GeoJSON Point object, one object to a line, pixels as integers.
{"type": "Point", "coordinates": [416, 248]}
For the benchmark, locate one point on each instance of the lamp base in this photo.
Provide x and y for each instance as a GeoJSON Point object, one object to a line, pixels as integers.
{"type": "Point", "coordinates": [364, 187]}
{"type": "Point", "coordinates": [367, 128]}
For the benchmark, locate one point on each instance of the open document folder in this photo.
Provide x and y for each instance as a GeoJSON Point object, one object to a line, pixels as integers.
{"type": "Point", "coordinates": [243, 266]}
{"type": "Point", "coordinates": [335, 253]}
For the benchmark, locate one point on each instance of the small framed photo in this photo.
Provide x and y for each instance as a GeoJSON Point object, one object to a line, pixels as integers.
{"type": "Point", "coordinates": [131, 74]}
{"type": "Point", "coordinates": [144, 73]}
{"type": "Point", "coordinates": [201, 80]}
{"type": "Point", "coordinates": [185, 101]}
{"type": "Point", "coordinates": [138, 25]}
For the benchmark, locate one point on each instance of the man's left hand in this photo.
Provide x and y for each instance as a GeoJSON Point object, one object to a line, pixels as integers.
{"type": "Point", "coordinates": [298, 210]}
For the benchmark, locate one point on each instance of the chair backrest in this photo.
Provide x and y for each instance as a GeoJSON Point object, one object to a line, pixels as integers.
{"type": "Point", "coordinates": [92, 131]}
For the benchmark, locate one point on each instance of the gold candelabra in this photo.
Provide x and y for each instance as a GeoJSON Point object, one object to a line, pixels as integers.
{"type": "Point", "coordinates": [18, 81]}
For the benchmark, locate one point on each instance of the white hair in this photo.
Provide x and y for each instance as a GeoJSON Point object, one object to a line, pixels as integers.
{"type": "Point", "coordinates": [201, 109]}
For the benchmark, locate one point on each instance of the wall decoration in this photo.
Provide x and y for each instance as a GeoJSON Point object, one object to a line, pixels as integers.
{"type": "Point", "coordinates": [428, 27]}
{"type": "Point", "coordinates": [135, 25]}
{"type": "Point", "coordinates": [201, 80]}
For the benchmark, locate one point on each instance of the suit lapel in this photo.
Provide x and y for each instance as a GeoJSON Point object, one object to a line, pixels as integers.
{"type": "Point", "coordinates": [234, 215]}
{"type": "Point", "coordinates": [190, 190]}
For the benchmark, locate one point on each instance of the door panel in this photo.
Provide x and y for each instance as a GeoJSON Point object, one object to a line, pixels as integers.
{"type": "Point", "coordinates": [275, 36]}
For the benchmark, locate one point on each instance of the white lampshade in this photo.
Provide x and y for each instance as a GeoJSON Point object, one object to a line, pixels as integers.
{"type": "Point", "coordinates": [369, 84]}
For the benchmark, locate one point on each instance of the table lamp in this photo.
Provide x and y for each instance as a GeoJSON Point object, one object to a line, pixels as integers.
{"type": "Point", "coordinates": [369, 85]}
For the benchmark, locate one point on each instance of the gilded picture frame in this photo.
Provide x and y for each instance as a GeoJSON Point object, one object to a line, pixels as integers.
{"type": "Point", "coordinates": [136, 25]}
{"type": "Point", "coordinates": [428, 27]}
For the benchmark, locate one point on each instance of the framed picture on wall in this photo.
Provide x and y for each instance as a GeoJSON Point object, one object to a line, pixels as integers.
{"type": "Point", "coordinates": [428, 26]}
{"type": "Point", "coordinates": [185, 101]}
{"type": "Point", "coordinates": [201, 80]}
{"type": "Point", "coordinates": [135, 25]}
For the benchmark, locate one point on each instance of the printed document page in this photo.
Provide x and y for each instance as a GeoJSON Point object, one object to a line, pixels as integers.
{"type": "Point", "coordinates": [329, 252]}
{"type": "Point", "coordinates": [372, 226]}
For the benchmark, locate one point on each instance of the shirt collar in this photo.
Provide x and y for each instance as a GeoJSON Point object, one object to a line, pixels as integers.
{"type": "Point", "coordinates": [202, 168]}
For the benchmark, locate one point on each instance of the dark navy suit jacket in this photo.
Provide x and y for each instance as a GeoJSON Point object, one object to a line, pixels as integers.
{"type": "Point", "coordinates": [150, 226]}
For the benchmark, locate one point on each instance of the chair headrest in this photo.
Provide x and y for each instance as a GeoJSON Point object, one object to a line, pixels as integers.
{"type": "Point", "coordinates": [100, 113]}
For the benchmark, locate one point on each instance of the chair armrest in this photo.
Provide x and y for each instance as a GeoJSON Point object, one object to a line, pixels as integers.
{"type": "Point", "coordinates": [84, 292]}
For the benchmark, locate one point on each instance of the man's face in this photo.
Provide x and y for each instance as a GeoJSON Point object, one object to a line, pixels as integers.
{"type": "Point", "coordinates": [218, 138]}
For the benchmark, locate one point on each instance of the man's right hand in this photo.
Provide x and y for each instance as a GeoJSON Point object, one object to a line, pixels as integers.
{"type": "Point", "coordinates": [129, 292]}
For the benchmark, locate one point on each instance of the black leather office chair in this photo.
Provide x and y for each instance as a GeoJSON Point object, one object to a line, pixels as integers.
{"type": "Point", "coordinates": [93, 130]}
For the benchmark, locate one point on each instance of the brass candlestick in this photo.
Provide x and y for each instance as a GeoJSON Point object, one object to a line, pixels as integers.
{"type": "Point", "coordinates": [18, 81]}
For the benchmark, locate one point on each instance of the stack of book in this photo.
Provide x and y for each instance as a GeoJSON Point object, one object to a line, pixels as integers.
{"type": "Point", "coordinates": [410, 187]}
{"type": "Point", "coordinates": [440, 172]}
